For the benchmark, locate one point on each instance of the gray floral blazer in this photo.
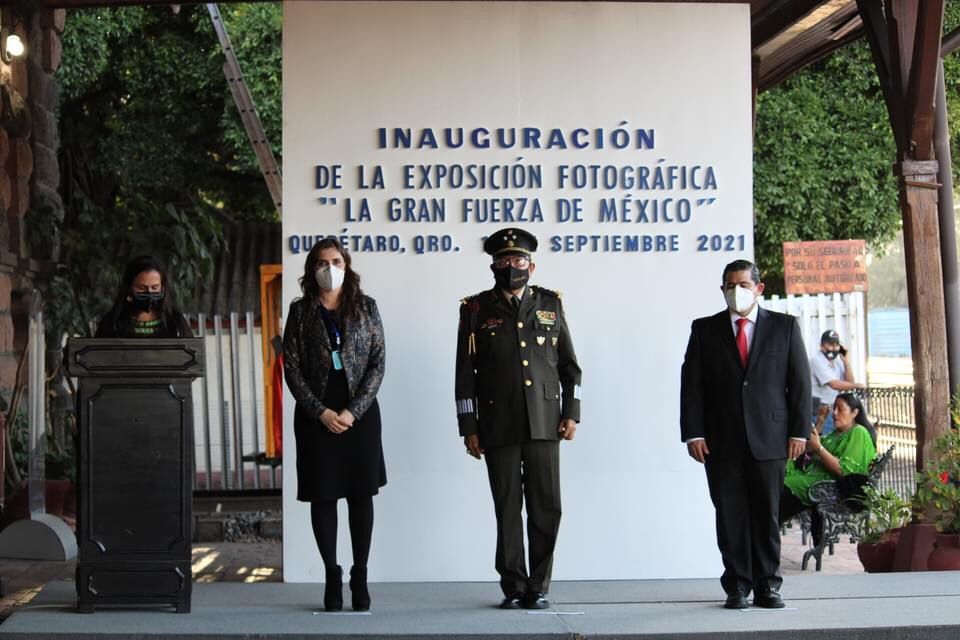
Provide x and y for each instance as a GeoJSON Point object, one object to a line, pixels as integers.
{"type": "Point", "coordinates": [307, 359]}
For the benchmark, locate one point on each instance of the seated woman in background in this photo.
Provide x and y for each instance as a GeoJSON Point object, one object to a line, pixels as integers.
{"type": "Point", "coordinates": [847, 450]}
{"type": "Point", "coordinates": [143, 307]}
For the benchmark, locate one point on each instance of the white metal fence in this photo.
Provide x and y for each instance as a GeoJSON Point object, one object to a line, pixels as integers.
{"type": "Point", "coordinates": [229, 424]}
{"type": "Point", "coordinates": [844, 313]}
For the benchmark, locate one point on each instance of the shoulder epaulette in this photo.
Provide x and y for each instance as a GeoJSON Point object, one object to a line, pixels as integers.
{"type": "Point", "coordinates": [549, 292]}
{"type": "Point", "coordinates": [470, 298]}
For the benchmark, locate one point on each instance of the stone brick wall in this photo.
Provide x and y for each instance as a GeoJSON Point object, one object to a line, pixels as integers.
{"type": "Point", "coordinates": [29, 175]}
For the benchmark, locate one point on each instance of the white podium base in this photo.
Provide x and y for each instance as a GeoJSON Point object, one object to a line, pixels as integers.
{"type": "Point", "coordinates": [42, 537]}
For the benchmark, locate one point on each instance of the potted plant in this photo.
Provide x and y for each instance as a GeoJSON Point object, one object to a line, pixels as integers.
{"type": "Point", "coordinates": [59, 472]}
{"type": "Point", "coordinates": [59, 469]}
{"type": "Point", "coordinates": [938, 499]}
{"type": "Point", "coordinates": [885, 514]}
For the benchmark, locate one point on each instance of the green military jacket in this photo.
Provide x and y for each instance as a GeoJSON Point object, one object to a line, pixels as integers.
{"type": "Point", "coordinates": [517, 373]}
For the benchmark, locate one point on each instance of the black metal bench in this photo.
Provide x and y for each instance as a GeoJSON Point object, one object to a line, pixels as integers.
{"type": "Point", "coordinates": [833, 515]}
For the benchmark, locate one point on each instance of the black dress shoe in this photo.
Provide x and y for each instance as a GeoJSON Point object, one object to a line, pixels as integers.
{"type": "Point", "coordinates": [736, 600]}
{"type": "Point", "coordinates": [768, 599]}
{"type": "Point", "coordinates": [514, 601]}
{"type": "Point", "coordinates": [535, 600]}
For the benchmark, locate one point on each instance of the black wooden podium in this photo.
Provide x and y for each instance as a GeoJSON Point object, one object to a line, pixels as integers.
{"type": "Point", "coordinates": [134, 517]}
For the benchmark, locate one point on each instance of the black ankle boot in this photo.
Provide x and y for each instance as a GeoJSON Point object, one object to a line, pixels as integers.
{"type": "Point", "coordinates": [358, 589]}
{"type": "Point", "coordinates": [333, 590]}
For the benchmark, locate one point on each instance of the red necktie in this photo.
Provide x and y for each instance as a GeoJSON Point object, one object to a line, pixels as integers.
{"type": "Point", "coordinates": [742, 340]}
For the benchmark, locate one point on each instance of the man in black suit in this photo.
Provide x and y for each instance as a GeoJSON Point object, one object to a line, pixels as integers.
{"type": "Point", "coordinates": [744, 409]}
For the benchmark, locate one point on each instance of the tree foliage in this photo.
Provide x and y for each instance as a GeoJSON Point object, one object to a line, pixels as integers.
{"type": "Point", "coordinates": [153, 153]}
{"type": "Point", "coordinates": [823, 153]}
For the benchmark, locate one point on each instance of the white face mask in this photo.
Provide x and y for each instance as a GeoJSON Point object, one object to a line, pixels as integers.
{"type": "Point", "coordinates": [330, 278]}
{"type": "Point", "coordinates": [739, 299]}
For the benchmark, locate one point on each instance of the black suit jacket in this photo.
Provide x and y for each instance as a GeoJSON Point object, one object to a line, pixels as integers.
{"type": "Point", "coordinates": [767, 402]}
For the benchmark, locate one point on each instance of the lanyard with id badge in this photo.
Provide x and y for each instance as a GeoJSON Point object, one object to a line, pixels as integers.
{"type": "Point", "coordinates": [335, 334]}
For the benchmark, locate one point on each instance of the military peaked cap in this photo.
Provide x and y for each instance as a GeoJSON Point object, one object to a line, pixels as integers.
{"type": "Point", "coordinates": [510, 240]}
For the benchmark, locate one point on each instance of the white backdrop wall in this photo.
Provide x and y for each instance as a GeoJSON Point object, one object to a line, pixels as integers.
{"type": "Point", "coordinates": [635, 506]}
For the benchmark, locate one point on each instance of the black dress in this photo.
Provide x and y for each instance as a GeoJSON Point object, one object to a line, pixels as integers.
{"type": "Point", "coordinates": [346, 465]}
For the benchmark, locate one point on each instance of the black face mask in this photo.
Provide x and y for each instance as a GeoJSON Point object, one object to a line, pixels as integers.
{"type": "Point", "coordinates": [145, 301]}
{"type": "Point", "coordinates": [511, 278]}
{"type": "Point", "coordinates": [831, 355]}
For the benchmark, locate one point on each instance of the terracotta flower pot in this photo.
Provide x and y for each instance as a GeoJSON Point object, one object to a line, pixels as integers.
{"type": "Point", "coordinates": [55, 494]}
{"type": "Point", "coordinates": [877, 557]}
{"type": "Point", "coordinates": [946, 554]}
{"type": "Point", "coordinates": [57, 499]}
{"type": "Point", "coordinates": [70, 501]}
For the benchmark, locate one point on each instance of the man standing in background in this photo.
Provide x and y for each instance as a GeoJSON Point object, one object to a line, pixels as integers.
{"type": "Point", "coordinates": [831, 374]}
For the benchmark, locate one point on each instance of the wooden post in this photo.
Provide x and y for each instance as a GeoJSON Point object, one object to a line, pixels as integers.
{"type": "Point", "coordinates": [904, 37]}
{"type": "Point", "coordinates": [928, 335]}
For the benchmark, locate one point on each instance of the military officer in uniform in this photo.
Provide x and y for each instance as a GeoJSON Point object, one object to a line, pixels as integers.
{"type": "Point", "coordinates": [517, 393]}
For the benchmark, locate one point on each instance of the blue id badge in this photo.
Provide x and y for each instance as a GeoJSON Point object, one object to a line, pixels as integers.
{"type": "Point", "coordinates": [337, 361]}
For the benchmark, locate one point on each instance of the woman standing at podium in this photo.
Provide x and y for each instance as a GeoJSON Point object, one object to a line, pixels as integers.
{"type": "Point", "coordinates": [143, 307]}
{"type": "Point", "coordinates": [333, 358]}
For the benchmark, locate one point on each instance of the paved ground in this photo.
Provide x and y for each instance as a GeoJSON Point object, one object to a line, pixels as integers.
{"type": "Point", "coordinates": [262, 562]}
{"type": "Point", "coordinates": [844, 561]}
{"type": "Point", "coordinates": [883, 606]}
{"type": "Point", "coordinates": [212, 562]}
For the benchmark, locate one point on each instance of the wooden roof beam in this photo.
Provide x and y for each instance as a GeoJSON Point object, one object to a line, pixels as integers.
{"type": "Point", "coordinates": [922, 79]}
{"type": "Point", "coordinates": [803, 59]}
{"type": "Point", "coordinates": [777, 17]}
{"type": "Point", "coordinates": [876, 28]}
{"type": "Point", "coordinates": [950, 43]}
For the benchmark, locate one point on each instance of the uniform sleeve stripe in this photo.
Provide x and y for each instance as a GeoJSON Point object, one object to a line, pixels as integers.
{"type": "Point", "coordinates": [465, 406]}
{"type": "Point", "coordinates": [576, 392]}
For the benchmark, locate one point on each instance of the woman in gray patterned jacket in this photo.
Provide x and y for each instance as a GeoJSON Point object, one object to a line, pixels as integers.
{"type": "Point", "coordinates": [333, 360]}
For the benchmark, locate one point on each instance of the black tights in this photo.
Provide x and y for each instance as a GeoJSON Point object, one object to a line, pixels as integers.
{"type": "Point", "coordinates": [323, 516]}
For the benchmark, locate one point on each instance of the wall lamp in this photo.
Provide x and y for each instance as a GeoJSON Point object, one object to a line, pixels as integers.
{"type": "Point", "coordinates": [11, 45]}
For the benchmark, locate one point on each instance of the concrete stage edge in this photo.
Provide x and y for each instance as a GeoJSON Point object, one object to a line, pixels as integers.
{"type": "Point", "coordinates": [902, 606]}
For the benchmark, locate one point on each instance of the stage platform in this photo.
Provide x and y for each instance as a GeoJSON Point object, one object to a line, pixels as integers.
{"type": "Point", "coordinates": [900, 606]}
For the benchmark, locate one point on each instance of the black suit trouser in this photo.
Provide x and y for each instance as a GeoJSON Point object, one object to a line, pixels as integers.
{"type": "Point", "coordinates": [528, 471]}
{"type": "Point", "coordinates": [746, 495]}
